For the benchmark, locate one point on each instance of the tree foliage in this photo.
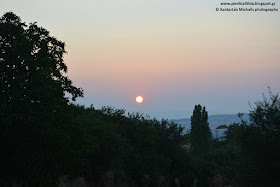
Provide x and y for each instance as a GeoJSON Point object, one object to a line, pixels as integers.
{"type": "Point", "coordinates": [200, 131]}
{"type": "Point", "coordinates": [135, 147]}
{"type": "Point", "coordinates": [32, 79]}
{"type": "Point", "coordinates": [260, 140]}
{"type": "Point", "coordinates": [40, 139]}
{"type": "Point", "coordinates": [252, 147]}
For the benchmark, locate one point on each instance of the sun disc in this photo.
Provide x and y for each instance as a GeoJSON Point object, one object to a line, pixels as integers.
{"type": "Point", "coordinates": [139, 99]}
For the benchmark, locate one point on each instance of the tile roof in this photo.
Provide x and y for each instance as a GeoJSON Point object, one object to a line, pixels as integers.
{"type": "Point", "coordinates": [222, 127]}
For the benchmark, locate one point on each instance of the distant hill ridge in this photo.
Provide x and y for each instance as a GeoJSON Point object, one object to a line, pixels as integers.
{"type": "Point", "coordinates": [214, 120]}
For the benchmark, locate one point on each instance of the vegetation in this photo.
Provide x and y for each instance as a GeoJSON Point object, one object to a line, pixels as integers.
{"type": "Point", "coordinates": [43, 137]}
{"type": "Point", "coordinates": [38, 126]}
{"type": "Point", "coordinates": [260, 141]}
{"type": "Point", "coordinates": [200, 131]}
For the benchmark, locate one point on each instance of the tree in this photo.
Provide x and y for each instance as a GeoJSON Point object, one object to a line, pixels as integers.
{"type": "Point", "coordinates": [40, 139]}
{"type": "Point", "coordinates": [260, 141]}
{"type": "Point", "coordinates": [266, 114]}
{"type": "Point", "coordinates": [32, 79]}
{"type": "Point", "coordinates": [200, 131]}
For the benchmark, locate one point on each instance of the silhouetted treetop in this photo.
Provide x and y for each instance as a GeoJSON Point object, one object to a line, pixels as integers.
{"type": "Point", "coordinates": [200, 131]}
{"type": "Point", "coordinates": [31, 67]}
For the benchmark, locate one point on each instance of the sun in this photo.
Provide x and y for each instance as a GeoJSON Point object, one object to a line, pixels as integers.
{"type": "Point", "coordinates": [139, 99]}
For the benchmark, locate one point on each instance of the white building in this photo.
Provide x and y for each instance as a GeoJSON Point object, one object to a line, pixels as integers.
{"type": "Point", "coordinates": [220, 133]}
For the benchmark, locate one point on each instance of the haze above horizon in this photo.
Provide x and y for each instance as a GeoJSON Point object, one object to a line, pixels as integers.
{"type": "Point", "coordinates": [175, 54]}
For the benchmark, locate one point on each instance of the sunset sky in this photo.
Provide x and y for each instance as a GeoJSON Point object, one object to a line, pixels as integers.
{"type": "Point", "coordinates": [174, 53]}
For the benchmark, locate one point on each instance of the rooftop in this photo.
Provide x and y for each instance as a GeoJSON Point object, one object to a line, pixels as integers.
{"type": "Point", "coordinates": [222, 127]}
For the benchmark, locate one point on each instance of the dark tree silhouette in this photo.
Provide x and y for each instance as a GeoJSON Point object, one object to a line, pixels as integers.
{"type": "Point", "coordinates": [200, 132]}
{"type": "Point", "coordinates": [260, 141]}
{"type": "Point", "coordinates": [39, 137]}
{"type": "Point", "coordinates": [32, 78]}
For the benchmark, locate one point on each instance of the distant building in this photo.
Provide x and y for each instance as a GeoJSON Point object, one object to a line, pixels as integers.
{"type": "Point", "coordinates": [220, 134]}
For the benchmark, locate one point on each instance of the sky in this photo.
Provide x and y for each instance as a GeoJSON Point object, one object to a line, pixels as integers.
{"type": "Point", "coordinates": [174, 53]}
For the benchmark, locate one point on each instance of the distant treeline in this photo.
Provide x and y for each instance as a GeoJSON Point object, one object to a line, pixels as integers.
{"type": "Point", "coordinates": [45, 139]}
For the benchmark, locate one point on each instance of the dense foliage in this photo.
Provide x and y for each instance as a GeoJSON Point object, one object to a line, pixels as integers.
{"type": "Point", "coordinates": [135, 147]}
{"type": "Point", "coordinates": [200, 132]}
{"type": "Point", "coordinates": [251, 154]}
{"type": "Point", "coordinates": [260, 140]}
{"type": "Point", "coordinates": [38, 129]}
{"type": "Point", "coordinates": [44, 138]}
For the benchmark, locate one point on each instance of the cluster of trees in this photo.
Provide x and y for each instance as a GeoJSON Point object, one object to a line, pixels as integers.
{"type": "Point", "coordinates": [44, 137]}
{"type": "Point", "coordinates": [251, 154]}
{"type": "Point", "coordinates": [136, 149]}
{"type": "Point", "coordinates": [257, 143]}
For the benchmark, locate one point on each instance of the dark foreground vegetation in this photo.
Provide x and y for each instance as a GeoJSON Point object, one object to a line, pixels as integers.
{"type": "Point", "coordinates": [44, 139]}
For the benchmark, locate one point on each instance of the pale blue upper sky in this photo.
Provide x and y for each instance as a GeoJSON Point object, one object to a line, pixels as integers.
{"type": "Point", "coordinates": [175, 53]}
